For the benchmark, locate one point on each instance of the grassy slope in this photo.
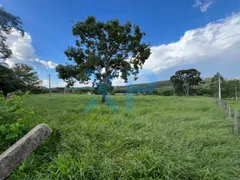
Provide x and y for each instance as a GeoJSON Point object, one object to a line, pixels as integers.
{"type": "Point", "coordinates": [162, 138]}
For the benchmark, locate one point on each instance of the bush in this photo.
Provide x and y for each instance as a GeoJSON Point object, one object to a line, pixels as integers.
{"type": "Point", "coordinates": [18, 93]}
{"type": "Point", "coordinates": [15, 120]}
{"type": "Point", "coordinates": [167, 93]}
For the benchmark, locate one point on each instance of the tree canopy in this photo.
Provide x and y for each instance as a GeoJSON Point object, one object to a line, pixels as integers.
{"type": "Point", "coordinates": [27, 76]}
{"type": "Point", "coordinates": [8, 24]}
{"type": "Point", "coordinates": [8, 80]}
{"type": "Point", "coordinates": [183, 80]}
{"type": "Point", "coordinates": [21, 77]}
{"type": "Point", "coordinates": [104, 51]}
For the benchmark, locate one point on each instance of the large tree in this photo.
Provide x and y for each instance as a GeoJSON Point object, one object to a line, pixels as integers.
{"type": "Point", "coordinates": [28, 77]}
{"type": "Point", "coordinates": [8, 80]}
{"type": "Point", "coordinates": [104, 51]}
{"type": "Point", "coordinates": [8, 24]}
{"type": "Point", "coordinates": [184, 80]}
{"type": "Point", "coordinates": [20, 77]}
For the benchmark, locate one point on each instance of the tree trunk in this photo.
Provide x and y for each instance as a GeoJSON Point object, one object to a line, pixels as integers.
{"type": "Point", "coordinates": [103, 99]}
{"type": "Point", "coordinates": [186, 88]}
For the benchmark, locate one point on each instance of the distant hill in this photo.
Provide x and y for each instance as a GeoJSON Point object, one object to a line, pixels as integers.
{"type": "Point", "coordinates": [145, 87]}
{"type": "Point", "coordinates": [158, 84]}
{"type": "Point", "coordinates": [134, 88]}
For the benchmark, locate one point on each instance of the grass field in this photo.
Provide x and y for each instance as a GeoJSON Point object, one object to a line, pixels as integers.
{"type": "Point", "coordinates": [235, 104]}
{"type": "Point", "coordinates": [158, 138]}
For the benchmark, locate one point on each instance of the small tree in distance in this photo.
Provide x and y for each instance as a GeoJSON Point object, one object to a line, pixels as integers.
{"type": "Point", "coordinates": [104, 51]}
{"type": "Point", "coordinates": [183, 80]}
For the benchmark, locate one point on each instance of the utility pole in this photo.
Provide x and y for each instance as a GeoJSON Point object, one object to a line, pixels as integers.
{"type": "Point", "coordinates": [49, 84]}
{"type": "Point", "coordinates": [219, 88]}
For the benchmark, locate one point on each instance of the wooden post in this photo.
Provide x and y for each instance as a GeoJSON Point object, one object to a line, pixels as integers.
{"type": "Point", "coordinates": [226, 109]}
{"type": "Point", "coordinates": [12, 157]}
{"type": "Point", "coordinates": [224, 106]}
{"type": "Point", "coordinates": [236, 122]}
{"type": "Point", "coordinates": [220, 103]}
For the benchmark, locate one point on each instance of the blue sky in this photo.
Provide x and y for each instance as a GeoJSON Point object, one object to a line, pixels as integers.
{"type": "Point", "coordinates": [179, 33]}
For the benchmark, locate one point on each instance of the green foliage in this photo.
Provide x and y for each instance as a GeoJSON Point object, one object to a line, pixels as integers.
{"type": "Point", "coordinates": [8, 81]}
{"type": "Point", "coordinates": [28, 77]}
{"type": "Point", "coordinates": [203, 89]}
{"type": "Point", "coordinates": [184, 80]}
{"type": "Point", "coordinates": [231, 88]}
{"type": "Point", "coordinates": [18, 93]}
{"type": "Point", "coordinates": [214, 84]}
{"type": "Point", "coordinates": [8, 24]}
{"type": "Point", "coordinates": [21, 77]}
{"type": "Point", "coordinates": [15, 120]}
{"type": "Point", "coordinates": [105, 50]}
{"type": "Point", "coordinates": [161, 138]}
{"type": "Point", "coordinates": [11, 132]}
{"type": "Point", "coordinates": [167, 92]}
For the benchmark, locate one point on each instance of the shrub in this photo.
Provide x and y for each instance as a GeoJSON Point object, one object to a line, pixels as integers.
{"type": "Point", "coordinates": [18, 93]}
{"type": "Point", "coordinates": [15, 120]}
{"type": "Point", "coordinates": [167, 93]}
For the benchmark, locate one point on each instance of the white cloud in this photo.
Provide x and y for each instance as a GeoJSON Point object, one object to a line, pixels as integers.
{"type": "Point", "coordinates": [45, 82]}
{"type": "Point", "coordinates": [218, 40]}
{"type": "Point", "coordinates": [48, 64]}
{"type": "Point", "coordinates": [118, 82]}
{"type": "Point", "coordinates": [204, 5]}
{"type": "Point", "coordinates": [23, 52]}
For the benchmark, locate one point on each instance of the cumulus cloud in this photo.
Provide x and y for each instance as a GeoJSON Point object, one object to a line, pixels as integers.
{"type": "Point", "coordinates": [118, 82]}
{"type": "Point", "coordinates": [218, 40]}
{"type": "Point", "coordinates": [23, 51]}
{"type": "Point", "coordinates": [45, 82]}
{"type": "Point", "coordinates": [204, 5]}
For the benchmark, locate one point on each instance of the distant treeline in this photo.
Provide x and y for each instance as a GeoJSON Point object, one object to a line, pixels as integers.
{"type": "Point", "coordinates": [160, 88]}
{"type": "Point", "coordinates": [22, 78]}
{"type": "Point", "coordinates": [207, 87]}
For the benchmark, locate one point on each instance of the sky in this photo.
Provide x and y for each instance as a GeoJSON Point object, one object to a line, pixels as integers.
{"type": "Point", "coordinates": [200, 34]}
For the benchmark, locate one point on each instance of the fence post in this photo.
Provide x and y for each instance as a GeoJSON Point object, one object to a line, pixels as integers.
{"type": "Point", "coordinates": [12, 157]}
{"type": "Point", "coordinates": [220, 103]}
{"type": "Point", "coordinates": [229, 110]}
{"type": "Point", "coordinates": [225, 107]}
{"type": "Point", "coordinates": [236, 122]}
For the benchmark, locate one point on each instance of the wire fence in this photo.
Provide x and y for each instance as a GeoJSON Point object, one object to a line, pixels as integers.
{"type": "Point", "coordinates": [226, 107]}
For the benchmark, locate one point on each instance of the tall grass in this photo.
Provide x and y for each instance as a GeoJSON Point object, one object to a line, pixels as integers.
{"type": "Point", "coordinates": [159, 138]}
